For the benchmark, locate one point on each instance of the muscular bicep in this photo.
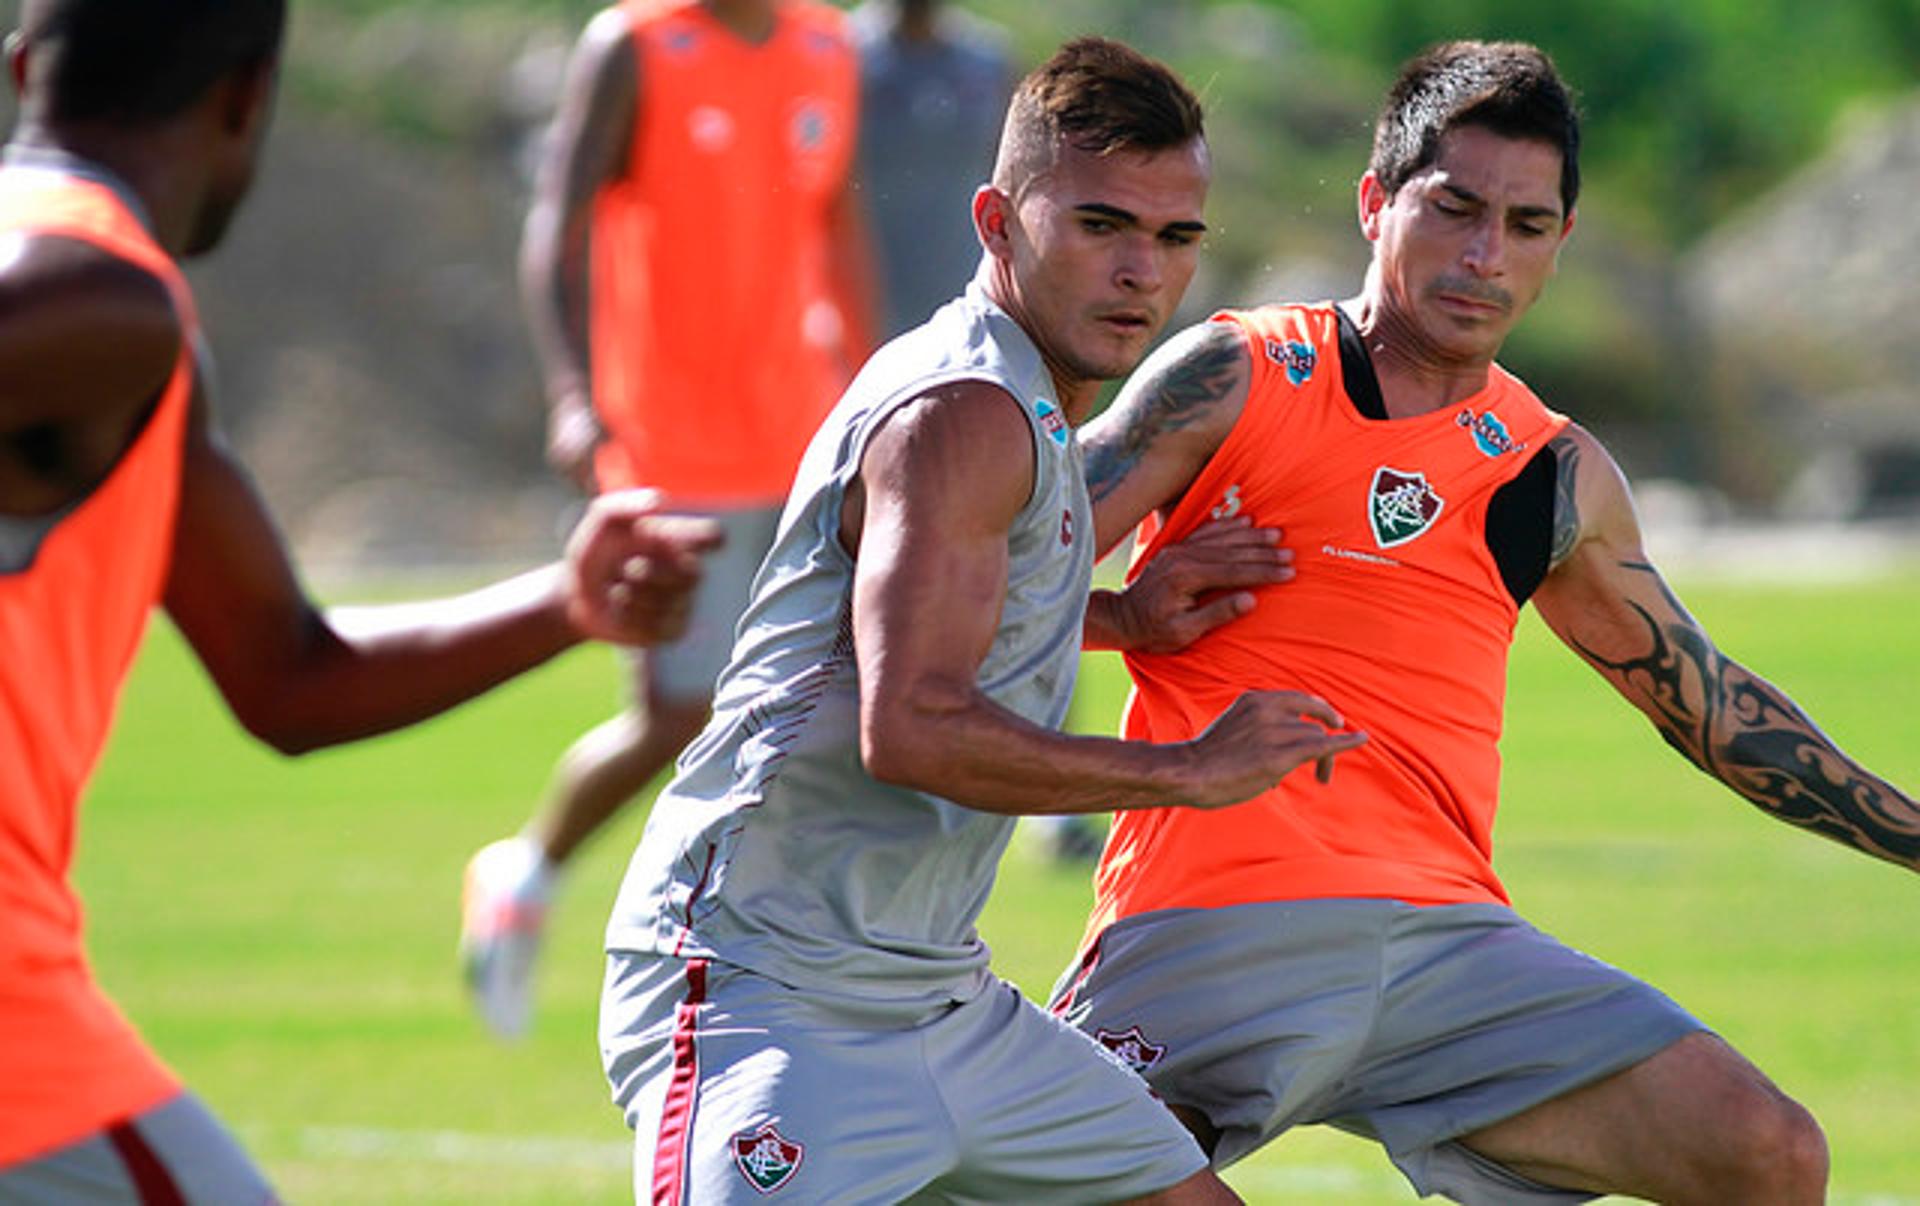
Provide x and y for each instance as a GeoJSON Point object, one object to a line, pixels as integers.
{"type": "Point", "coordinates": [1172, 414]}
{"type": "Point", "coordinates": [941, 485]}
{"type": "Point", "coordinates": [1605, 598]}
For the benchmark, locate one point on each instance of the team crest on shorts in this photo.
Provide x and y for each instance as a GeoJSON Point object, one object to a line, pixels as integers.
{"type": "Point", "coordinates": [766, 1158]}
{"type": "Point", "coordinates": [1132, 1047]}
{"type": "Point", "coordinates": [1401, 506]}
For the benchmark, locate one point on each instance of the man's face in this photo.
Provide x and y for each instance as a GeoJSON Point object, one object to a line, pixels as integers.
{"type": "Point", "coordinates": [1100, 250]}
{"type": "Point", "coordinates": [1467, 244]}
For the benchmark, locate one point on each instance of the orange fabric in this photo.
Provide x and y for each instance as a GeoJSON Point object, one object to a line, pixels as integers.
{"type": "Point", "coordinates": [69, 627]}
{"type": "Point", "coordinates": [716, 343]}
{"type": "Point", "coordinates": [1397, 616]}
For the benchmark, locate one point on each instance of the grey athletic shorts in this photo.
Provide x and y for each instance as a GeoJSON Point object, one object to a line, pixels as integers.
{"type": "Point", "coordinates": [741, 1090]}
{"type": "Point", "coordinates": [686, 669]}
{"type": "Point", "coordinates": [1410, 1026]}
{"type": "Point", "coordinates": [175, 1152]}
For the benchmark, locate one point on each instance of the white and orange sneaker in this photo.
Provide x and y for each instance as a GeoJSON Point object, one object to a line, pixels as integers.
{"type": "Point", "coordinates": [503, 912]}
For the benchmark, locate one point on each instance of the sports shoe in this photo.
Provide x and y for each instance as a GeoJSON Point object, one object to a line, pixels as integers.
{"type": "Point", "coordinates": [503, 911]}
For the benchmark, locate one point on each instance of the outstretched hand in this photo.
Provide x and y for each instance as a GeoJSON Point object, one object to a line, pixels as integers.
{"type": "Point", "coordinates": [631, 569]}
{"type": "Point", "coordinates": [1204, 581]}
{"type": "Point", "coordinates": [1263, 737]}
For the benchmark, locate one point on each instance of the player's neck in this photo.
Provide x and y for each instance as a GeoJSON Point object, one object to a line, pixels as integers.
{"type": "Point", "coordinates": [145, 164]}
{"type": "Point", "coordinates": [917, 24]}
{"type": "Point", "coordinates": [1074, 393]}
{"type": "Point", "coordinates": [750, 20]}
{"type": "Point", "coordinates": [1415, 377]}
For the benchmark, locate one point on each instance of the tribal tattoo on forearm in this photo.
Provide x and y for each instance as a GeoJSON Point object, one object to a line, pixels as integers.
{"type": "Point", "coordinates": [1175, 397]}
{"type": "Point", "coordinates": [1746, 733]}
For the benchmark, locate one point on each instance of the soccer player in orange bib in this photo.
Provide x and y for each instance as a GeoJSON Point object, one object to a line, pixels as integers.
{"type": "Point", "coordinates": [698, 284]}
{"type": "Point", "coordinates": [138, 132]}
{"type": "Point", "coordinates": [1348, 956]}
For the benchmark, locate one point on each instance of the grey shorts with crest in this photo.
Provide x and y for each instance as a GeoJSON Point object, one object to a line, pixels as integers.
{"type": "Point", "coordinates": [744, 1090]}
{"type": "Point", "coordinates": [1408, 1025]}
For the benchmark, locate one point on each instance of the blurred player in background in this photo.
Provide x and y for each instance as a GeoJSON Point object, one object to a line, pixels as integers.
{"type": "Point", "coordinates": [934, 82]}
{"type": "Point", "coordinates": [1350, 957]}
{"type": "Point", "coordinates": [697, 280]}
{"type": "Point", "coordinates": [139, 128]}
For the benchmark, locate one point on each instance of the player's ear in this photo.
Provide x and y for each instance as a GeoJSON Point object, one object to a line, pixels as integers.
{"type": "Point", "coordinates": [245, 98]}
{"type": "Point", "coordinates": [1372, 200]}
{"type": "Point", "coordinates": [992, 210]}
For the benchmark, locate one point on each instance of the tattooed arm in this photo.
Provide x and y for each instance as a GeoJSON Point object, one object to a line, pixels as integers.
{"type": "Point", "coordinates": [1170, 416]}
{"type": "Point", "coordinates": [1611, 606]}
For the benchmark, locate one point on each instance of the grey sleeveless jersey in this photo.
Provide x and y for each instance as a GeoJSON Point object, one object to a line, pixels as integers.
{"type": "Point", "coordinates": [773, 849]}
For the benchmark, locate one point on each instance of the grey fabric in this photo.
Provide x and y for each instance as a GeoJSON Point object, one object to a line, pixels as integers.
{"type": "Point", "coordinates": [1408, 1025]}
{"type": "Point", "coordinates": [862, 1101]}
{"type": "Point", "coordinates": [773, 849]}
{"type": "Point", "coordinates": [204, 1162]}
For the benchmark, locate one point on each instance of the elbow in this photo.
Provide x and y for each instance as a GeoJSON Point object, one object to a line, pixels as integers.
{"type": "Point", "coordinates": [895, 750]}
{"type": "Point", "coordinates": [278, 726]}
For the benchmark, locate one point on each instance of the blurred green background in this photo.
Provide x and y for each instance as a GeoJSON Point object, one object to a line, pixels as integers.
{"type": "Point", "coordinates": [1736, 316]}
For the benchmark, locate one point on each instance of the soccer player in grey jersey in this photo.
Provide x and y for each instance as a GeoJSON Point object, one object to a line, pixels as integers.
{"type": "Point", "coordinates": [797, 1002]}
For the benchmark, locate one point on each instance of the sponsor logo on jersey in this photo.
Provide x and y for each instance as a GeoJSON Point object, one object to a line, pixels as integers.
{"type": "Point", "coordinates": [766, 1158]}
{"type": "Point", "coordinates": [1066, 526]}
{"type": "Point", "coordinates": [1401, 506]}
{"type": "Point", "coordinates": [1296, 357]}
{"type": "Point", "coordinates": [1489, 433]}
{"type": "Point", "coordinates": [1132, 1048]}
{"type": "Point", "coordinates": [810, 126]}
{"type": "Point", "coordinates": [1051, 421]}
{"type": "Point", "coordinates": [711, 128]}
{"type": "Point", "coordinates": [1230, 503]}
{"type": "Point", "coordinates": [680, 41]}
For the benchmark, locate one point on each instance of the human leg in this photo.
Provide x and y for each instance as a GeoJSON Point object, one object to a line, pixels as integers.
{"type": "Point", "coordinates": [177, 1152]}
{"type": "Point", "coordinates": [1695, 1122]}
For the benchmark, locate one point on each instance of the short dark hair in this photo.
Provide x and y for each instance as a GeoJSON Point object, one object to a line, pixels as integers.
{"type": "Point", "coordinates": [1096, 95]}
{"type": "Point", "coordinates": [145, 60]}
{"type": "Point", "coordinates": [1510, 88]}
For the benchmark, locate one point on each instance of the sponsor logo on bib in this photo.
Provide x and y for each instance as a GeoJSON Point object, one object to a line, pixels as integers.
{"type": "Point", "coordinates": [1489, 433]}
{"type": "Point", "coordinates": [1296, 357]}
{"type": "Point", "coordinates": [1401, 506]}
{"type": "Point", "coordinates": [766, 1158]}
{"type": "Point", "coordinates": [1051, 421]}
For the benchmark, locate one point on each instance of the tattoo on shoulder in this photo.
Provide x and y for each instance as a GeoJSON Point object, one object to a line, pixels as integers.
{"type": "Point", "coordinates": [1747, 733]}
{"type": "Point", "coordinates": [1165, 399]}
{"type": "Point", "coordinates": [1566, 507]}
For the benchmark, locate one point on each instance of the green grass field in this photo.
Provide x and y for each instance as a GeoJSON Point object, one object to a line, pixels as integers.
{"type": "Point", "coordinates": [283, 931]}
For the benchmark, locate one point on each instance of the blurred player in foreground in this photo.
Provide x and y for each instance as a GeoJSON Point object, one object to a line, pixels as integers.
{"type": "Point", "coordinates": [139, 128]}
{"type": "Point", "coordinates": [1349, 957]}
{"type": "Point", "coordinates": [797, 997]}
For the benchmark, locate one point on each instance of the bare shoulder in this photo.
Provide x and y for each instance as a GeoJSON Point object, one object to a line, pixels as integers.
{"type": "Point", "coordinates": [1592, 501]}
{"type": "Point", "coordinates": [962, 444]}
{"type": "Point", "coordinates": [83, 333]}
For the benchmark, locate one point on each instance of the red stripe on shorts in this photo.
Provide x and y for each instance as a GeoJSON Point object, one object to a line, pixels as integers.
{"type": "Point", "coordinates": [1087, 963]}
{"type": "Point", "coordinates": [676, 1117]}
{"type": "Point", "coordinates": [151, 1180]}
